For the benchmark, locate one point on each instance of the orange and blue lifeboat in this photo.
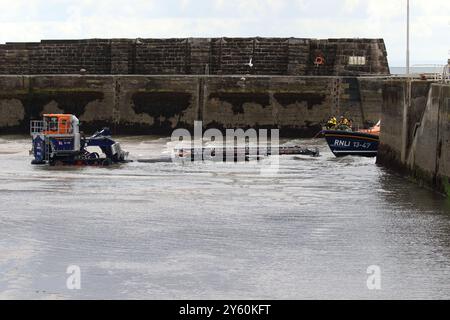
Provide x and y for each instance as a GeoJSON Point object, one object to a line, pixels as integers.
{"type": "Point", "coordinates": [353, 143]}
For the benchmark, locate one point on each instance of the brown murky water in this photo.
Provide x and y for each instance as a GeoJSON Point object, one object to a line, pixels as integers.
{"type": "Point", "coordinates": [218, 231]}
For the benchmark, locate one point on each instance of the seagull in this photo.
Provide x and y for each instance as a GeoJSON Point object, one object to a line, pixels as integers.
{"type": "Point", "coordinates": [250, 63]}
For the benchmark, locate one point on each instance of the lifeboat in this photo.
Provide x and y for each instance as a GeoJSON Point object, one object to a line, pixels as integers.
{"type": "Point", "coordinates": [354, 143]}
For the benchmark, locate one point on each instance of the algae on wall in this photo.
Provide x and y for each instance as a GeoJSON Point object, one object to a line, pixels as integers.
{"type": "Point", "coordinates": [158, 104]}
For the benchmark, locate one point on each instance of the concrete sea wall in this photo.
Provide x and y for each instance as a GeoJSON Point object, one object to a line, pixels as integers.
{"type": "Point", "coordinates": [415, 136]}
{"type": "Point", "coordinates": [159, 104]}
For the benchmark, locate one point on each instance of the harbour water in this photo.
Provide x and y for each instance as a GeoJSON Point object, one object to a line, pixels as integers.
{"type": "Point", "coordinates": [218, 231]}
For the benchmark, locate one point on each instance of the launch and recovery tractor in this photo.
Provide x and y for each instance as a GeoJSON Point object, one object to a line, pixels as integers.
{"type": "Point", "coordinates": [57, 140]}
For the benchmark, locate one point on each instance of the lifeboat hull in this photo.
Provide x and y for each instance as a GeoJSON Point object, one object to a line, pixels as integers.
{"type": "Point", "coordinates": [350, 143]}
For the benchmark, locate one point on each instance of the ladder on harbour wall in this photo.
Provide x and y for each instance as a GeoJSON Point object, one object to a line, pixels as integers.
{"type": "Point", "coordinates": [336, 96]}
{"type": "Point", "coordinates": [116, 102]}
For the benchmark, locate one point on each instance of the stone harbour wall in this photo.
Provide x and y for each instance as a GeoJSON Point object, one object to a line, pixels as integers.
{"type": "Point", "coordinates": [137, 104]}
{"type": "Point", "coordinates": [195, 56]}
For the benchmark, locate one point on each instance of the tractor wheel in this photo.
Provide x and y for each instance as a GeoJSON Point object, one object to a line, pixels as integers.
{"type": "Point", "coordinates": [107, 162]}
{"type": "Point", "coordinates": [36, 162]}
{"type": "Point", "coordinates": [94, 155]}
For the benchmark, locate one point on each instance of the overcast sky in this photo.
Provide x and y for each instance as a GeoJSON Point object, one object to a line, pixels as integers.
{"type": "Point", "coordinates": [33, 20]}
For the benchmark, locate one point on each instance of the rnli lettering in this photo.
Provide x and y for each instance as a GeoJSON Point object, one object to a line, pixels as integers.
{"type": "Point", "coordinates": [341, 143]}
{"type": "Point", "coordinates": [355, 144]}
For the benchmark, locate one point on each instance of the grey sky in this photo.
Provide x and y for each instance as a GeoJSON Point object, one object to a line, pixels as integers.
{"type": "Point", "coordinates": [22, 20]}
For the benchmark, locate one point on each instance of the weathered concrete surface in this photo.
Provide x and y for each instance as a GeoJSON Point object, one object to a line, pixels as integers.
{"type": "Point", "coordinates": [155, 105]}
{"type": "Point", "coordinates": [443, 163]}
{"type": "Point", "coordinates": [421, 147]}
{"type": "Point", "coordinates": [23, 98]}
{"type": "Point", "coordinates": [159, 104]}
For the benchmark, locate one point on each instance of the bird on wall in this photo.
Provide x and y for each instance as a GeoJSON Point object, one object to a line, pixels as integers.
{"type": "Point", "coordinates": [250, 63]}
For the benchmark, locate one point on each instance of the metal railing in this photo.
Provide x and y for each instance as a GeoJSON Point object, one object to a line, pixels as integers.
{"type": "Point", "coordinates": [434, 71]}
{"type": "Point", "coordinates": [37, 126]}
{"type": "Point", "coordinates": [40, 126]}
{"type": "Point", "coordinates": [446, 74]}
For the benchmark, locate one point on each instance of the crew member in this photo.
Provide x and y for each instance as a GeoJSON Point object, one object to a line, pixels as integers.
{"type": "Point", "coordinates": [332, 122]}
{"type": "Point", "coordinates": [343, 121]}
{"type": "Point", "coordinates": [344, 124]}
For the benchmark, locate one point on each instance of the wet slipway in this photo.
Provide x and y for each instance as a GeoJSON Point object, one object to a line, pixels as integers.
{"type": "Point", "coordinates": [218, 231]}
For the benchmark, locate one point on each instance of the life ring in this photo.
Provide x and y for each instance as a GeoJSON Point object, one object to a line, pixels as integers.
{"type": "Point", "coordinates": [319, 60]}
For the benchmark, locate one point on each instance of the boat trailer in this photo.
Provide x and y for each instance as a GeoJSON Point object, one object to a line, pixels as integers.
{"type": "Point", "coordinates": [56, 140]}
{"type": "Point", "coordinates": [242, 153]}
{"type": "Point", "coordinates": [232, 154]}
